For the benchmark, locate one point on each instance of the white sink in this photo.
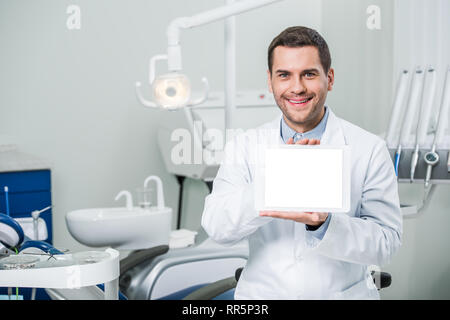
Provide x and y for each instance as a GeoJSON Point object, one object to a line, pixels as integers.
{"type": "Point", "coordinates": [121, 228]}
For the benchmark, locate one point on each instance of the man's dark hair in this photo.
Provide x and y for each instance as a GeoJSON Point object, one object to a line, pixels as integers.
{"type": "Point", "coordinates": [300, 37]}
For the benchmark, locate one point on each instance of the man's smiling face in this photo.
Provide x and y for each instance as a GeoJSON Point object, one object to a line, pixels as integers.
{"type": "Point", "coordinates": [299, 85]}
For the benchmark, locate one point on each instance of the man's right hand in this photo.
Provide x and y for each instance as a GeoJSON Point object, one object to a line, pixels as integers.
{"type": "Point", "coordinates": [304, 141]}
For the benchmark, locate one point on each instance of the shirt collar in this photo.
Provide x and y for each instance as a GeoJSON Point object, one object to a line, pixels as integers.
{"type": "Point", "coordinates": [315, 133]}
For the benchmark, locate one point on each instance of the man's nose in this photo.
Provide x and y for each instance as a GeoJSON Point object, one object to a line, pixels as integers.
{"type": "Point", "coordinates": [297, 86]}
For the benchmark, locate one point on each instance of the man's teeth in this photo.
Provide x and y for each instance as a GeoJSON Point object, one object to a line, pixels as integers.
{"type": "Point", "coordinates": [299, 101]}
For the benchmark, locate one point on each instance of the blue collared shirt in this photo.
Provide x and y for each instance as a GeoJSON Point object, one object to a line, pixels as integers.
{"type": "Point", "coordinates": [315, 133]}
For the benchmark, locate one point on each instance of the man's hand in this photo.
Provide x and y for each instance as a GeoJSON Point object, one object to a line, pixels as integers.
{"type": "Point", "coordinates": [303, 141]}
{"type": "Point", "coordinates": [309, 218]}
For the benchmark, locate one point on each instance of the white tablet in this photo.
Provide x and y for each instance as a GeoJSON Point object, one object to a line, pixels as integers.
{"type": "Point", "coordinates": [305, 178]}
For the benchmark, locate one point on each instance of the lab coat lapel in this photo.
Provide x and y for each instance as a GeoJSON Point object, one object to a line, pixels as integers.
{"type": "Point", "coordinates": [333, 134]}
{"type": "Point", "coordinates": [274, 133]}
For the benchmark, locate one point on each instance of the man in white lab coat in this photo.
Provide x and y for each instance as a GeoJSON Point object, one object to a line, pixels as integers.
{"type": "Point", "coordinates": [307, 255]}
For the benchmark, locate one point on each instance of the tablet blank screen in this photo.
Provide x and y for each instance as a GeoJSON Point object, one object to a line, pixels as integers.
{"type": "Point", "coordinates": [303, 178]}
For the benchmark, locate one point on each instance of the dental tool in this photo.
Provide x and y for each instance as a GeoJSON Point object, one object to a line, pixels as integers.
{"type": "Point", "coordinates": [424, 117]}
{"type": "Point", "coordinates": [35, 215]}
{"type": "Point", "coordinates": [7, 200]}
{"type": "Point", "coordinates": [402, 86]}
{"type": "Point", "coordinates": [432, 157]}
{"type": "Point", "coordinates": [413, 103]}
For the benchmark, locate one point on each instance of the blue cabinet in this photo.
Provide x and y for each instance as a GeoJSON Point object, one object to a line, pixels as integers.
{"type": "Point", "coordinates": [28, 191]}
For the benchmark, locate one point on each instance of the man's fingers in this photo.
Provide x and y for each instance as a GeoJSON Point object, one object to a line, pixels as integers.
{"type": "Point", "coordinates": [306, 141]}
{"type": "Point", "coordinates": [303, 141]}
{"type": "Point", "coordinates": [284, 214]}
{"type": "Point", "coordinates": [290, 141]}
{"type": "Point", "coordinates": [276, 214]}
{"type": "Point", "coordinates": [311, 218]}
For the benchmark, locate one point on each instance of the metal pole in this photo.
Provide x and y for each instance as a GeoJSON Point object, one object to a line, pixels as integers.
{"type": "Point", "coordinates": [230, 70]}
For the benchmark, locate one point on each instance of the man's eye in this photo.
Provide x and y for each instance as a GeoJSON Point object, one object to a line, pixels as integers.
{"type": "Point", "coordinates": [283, 75]}
{"type": "Point", "coordinates": [310, 74]}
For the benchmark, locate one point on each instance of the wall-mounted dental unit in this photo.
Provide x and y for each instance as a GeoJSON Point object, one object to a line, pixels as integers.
{"type": "Point", "coordinates": [424, 118]}
{"type": "Point", "coordinates": [416, 155]}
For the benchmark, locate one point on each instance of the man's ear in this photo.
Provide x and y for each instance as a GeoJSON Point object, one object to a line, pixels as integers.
{"type": "Point", "coordinates": [269, 81]}
{"type": "Point", "coordinates": [330, 77]}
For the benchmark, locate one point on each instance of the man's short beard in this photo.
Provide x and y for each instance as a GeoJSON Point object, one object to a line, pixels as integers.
{"type": "Point", "coordinates": [317, 110]}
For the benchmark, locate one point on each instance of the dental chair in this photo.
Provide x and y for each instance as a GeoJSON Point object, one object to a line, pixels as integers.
{"type": "Point", "coordinates": [163, 273]}
{"type": "Point", "coordinates": [152, 274]}
{"type": "Point", "coordinates": [160, 273]}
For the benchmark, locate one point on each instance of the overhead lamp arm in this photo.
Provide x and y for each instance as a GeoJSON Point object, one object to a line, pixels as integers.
{"type": "Point", "coordinates": [174, 50]}
{"type": "Point", "coordinates": [173, 30]}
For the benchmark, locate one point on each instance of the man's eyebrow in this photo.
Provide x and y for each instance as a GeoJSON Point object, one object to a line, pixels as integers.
{"type": "Point", "coordinates": [303, 71]}
{"type": "Point", "coordinates": [314, 70]}
{"type": "Point", "coordinates": [282, 71]}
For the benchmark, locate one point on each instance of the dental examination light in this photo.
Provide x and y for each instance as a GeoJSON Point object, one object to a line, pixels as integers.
{"type": "Point", "coordinates": [172, 90]}
{"type": "Point", "coordinates": [424, 117]}
{"type": "Point", "coordinates": [432, 157]}
{"type": "Point", "coordinates": [413, 104]}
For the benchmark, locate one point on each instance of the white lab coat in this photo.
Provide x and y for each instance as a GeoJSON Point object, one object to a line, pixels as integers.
{"type": "Point", "coordinates": [285, 260]}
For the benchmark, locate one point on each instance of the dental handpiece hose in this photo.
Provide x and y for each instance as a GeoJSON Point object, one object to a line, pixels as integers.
{"type": "Point", "coordinates": [412, 106]}
{"type": "Point", "coordinates": [399, 101]}
{"type": "Point", "coordinates": [424, 117]}
{"type": "Point", "coordinates": [440, 129]}
{"type": "Point", "coordinates": [444, 112]}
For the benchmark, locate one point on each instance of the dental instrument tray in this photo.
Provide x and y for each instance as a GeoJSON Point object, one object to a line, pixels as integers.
{"type": "Point", "coordinates": [62, 271]}
{"type": "Point", "coordinates": [37, 264]}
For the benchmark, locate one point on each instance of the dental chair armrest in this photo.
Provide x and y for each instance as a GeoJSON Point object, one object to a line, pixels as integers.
{"type": "Point", "coordinates": [212, 290]}
{"type": "Point", "coordinates": [137, 257]}
{"type": "Point", "coordinates": [237, 274]}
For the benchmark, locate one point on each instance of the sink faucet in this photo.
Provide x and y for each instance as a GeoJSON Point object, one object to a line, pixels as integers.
{"type": "Point", "coordinates": [159, 190]}
{"type": "Point", "coordinates": [129, 198]}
